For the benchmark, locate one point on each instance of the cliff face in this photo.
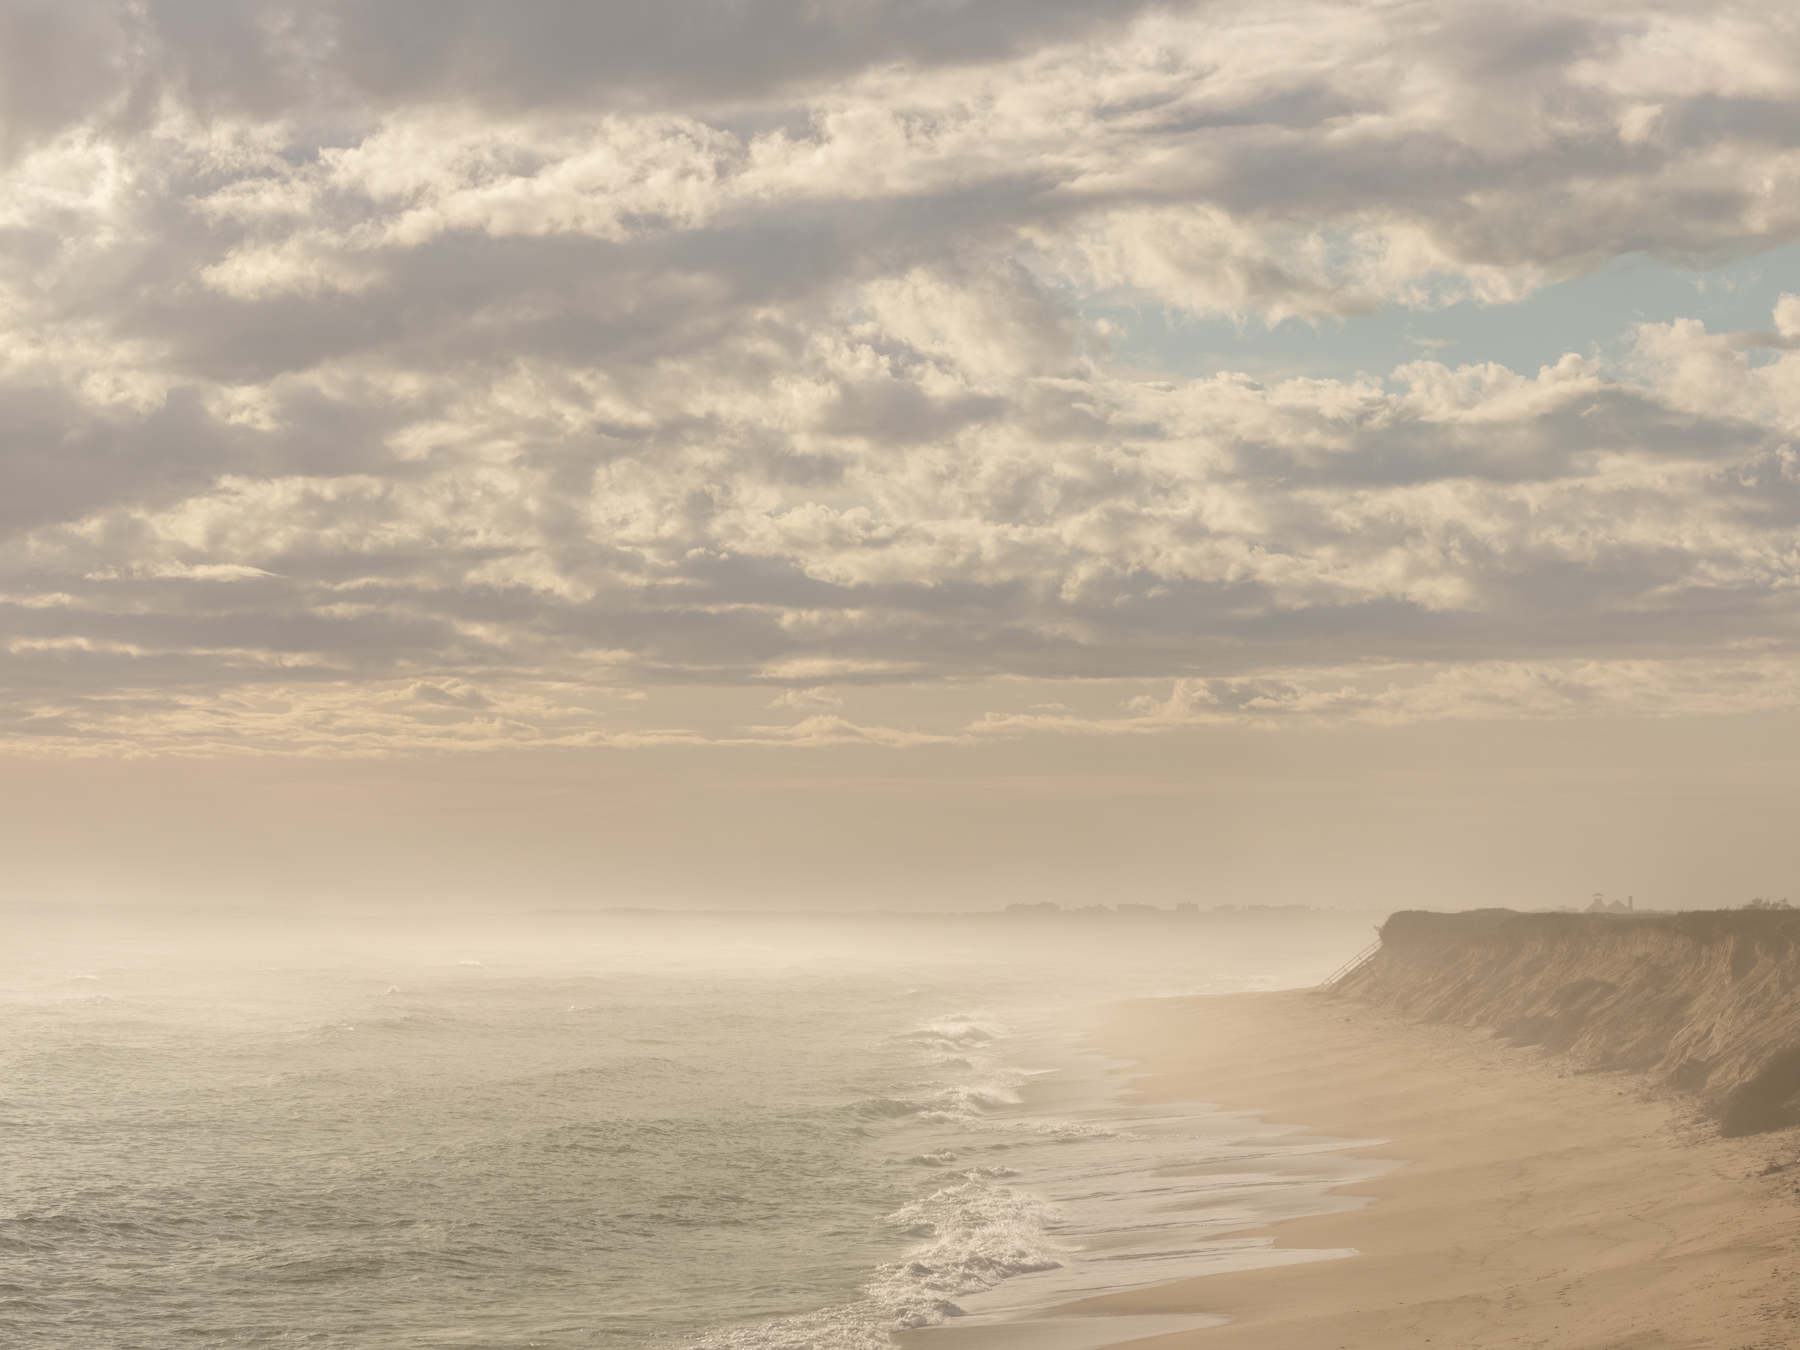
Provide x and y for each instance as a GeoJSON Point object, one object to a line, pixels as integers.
{"type": "Point", "coordinates": [1709, 1003]}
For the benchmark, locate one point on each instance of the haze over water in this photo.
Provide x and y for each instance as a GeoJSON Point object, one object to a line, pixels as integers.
{"type": "Point", "coordinates": [622, 1131]}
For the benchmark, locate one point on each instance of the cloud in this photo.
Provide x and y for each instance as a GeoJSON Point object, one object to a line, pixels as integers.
{"type": "Point", "coordinates": [194, 571]}
{"type": "Point", "coordinates": [815, 699]}
{"type": "Point", "coordinates": [1489, 690]}
{"type": "Point", "coordinates": [368, 348]}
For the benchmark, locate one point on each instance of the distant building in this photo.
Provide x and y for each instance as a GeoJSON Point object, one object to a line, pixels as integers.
{"type": "Point", "coordinates": [1187, 907]}
{"type": "Point", "coordinates": [1042, 907]}
{"type": "Point", "coordinates": [1601, 905]}
{"type": "Point", "coordinates": [1139, 909]}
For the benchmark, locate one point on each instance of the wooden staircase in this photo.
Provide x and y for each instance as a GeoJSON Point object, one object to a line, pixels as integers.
{"type": "Point", "coordinates": [1352, 964]}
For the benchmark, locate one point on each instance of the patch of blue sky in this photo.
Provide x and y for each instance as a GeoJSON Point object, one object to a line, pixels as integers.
{"type": "Point", "coordinates": [1595, 315]}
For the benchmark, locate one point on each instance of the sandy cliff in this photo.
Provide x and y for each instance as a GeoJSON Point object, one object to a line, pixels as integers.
{"type": "Point", "coordinates": [1707, 1002]}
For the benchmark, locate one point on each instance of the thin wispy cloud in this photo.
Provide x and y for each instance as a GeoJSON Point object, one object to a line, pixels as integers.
{"type": "Point", "coordinates": [400, 376]}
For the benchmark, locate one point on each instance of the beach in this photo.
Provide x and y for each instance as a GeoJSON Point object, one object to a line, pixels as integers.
{"type": "Point", "coordinates": [1536, 1205]}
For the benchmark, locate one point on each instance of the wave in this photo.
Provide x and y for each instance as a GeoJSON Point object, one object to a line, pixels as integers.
{"type": "Point", "coordinates": [979, 1234]}
{"type": "Point", "coordinates": [958, 1032]}
{"type": "Point", "coordinates": [971, 1235]}
{"type": "Point", "coordinates": [967, 1235]}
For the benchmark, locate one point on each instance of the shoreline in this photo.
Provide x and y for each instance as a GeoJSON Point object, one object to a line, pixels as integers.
{"type": "Point", "coordinates": [1538, 1206]}
{"type": "Point", "coordinates": [1150, 1194]}
{"type": "Point", "coordinates": [1534, 1205]}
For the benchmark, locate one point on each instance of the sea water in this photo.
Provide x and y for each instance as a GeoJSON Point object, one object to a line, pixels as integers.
{"type": "Point", "coordinates": [631, 1131]}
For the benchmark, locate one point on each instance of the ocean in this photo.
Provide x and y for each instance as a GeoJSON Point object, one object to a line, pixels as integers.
{"type": "Point", "coordinates": [628, 1130]}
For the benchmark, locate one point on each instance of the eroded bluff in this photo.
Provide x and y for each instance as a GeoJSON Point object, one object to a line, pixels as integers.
{"type": "Point", "coordinates": [1707, 1002]}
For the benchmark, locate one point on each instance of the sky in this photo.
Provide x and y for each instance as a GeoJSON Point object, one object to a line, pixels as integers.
{"type": "Point", "coordinates": [898, 453]}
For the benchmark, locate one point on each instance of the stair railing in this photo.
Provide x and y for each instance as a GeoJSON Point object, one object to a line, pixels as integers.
{"type": "Point", "coordinates": [1355, 962]}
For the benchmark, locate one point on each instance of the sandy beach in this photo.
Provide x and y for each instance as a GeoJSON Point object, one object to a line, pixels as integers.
{"type": "Point", "coordinates": [1536, 1206]}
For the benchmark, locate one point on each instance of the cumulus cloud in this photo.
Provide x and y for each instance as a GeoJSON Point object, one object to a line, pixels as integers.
{"type": "Point", "coordinates": [359, 352]}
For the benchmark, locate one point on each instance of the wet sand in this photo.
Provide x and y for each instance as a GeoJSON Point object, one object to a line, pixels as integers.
{"type": "Point", "coordinates": [1538, 1207]}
